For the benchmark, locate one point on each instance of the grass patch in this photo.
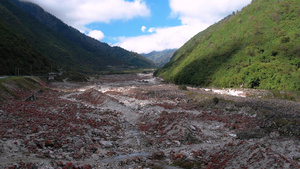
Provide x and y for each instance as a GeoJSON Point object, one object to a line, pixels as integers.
{"type": "Point", "coordinates": [24, 83]}
{"type": "Point", "coordinates": [5, 90]}
{"type": "Point", "coordinates": [286, 95]}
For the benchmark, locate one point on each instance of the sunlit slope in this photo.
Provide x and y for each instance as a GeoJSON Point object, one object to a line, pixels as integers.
{"type": "Point", "coordinates": [258, 47]}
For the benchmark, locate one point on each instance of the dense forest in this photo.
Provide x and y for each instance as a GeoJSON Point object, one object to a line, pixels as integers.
{"type": "Point", "coordinates": [257, 47]}
{"type": "Point", "coordinates": [18, 57]}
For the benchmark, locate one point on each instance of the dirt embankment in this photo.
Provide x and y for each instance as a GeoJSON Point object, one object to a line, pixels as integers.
{"type": "Point", "coordinates": [136, 121]}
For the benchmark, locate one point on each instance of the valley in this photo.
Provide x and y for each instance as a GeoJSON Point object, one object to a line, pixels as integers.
{"type": "Point", "coordinates": [139, 121]}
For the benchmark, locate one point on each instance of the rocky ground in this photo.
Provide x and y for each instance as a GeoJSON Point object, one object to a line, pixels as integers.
{"type": "Point", "coordinates": [136, 121]}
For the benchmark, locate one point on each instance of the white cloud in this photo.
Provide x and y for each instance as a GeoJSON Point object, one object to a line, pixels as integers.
{"type": "Point", "coordinates": [143, 29]}
{"type": "Point", "coordinates": [151, 30]}
{"type": "Point", "coordinates": [96, 34]}
{"type": "Point", "coordinates": [78, 13]}
{"type": "Point", "coordinates": [195, 16]}
{"type": "Point", "coordinates": [163, 38]}
{"type": "Point", "coordinates": [203, 11]}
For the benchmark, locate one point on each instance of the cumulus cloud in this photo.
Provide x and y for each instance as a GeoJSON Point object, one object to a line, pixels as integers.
{"type": "Point", "coordinates": [143, 29]}
{"type": "Point", "coordinates": [195, 16]}
{"type": "Point", "coordinates": [151, 30]}
{"type": "Point", "coordinates": [96, 34]}
{"type": "Point", "coordinates": [163, 38]}
{"type": "Point", "coordinates": [203, 11]}
{"type": "Point", "coordinates": [78, 13]}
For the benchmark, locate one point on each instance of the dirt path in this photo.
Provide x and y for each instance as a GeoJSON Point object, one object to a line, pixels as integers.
{"type": "Point", "coordinates": [136, 121]}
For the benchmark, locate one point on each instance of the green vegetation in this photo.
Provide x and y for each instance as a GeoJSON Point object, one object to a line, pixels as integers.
{"type": "Point", "coordinates": [19, 57]}
{"type": "Point", "coordinates": [293, 96]}
{"type": "Point", "coordinates": [182, 87]}
{"type": "Point", "coordinates": [48, 40]}
{"type": "Point", "coordinates": [29, 83]}
{"type": "Point", "coordinates": [216, 100]}
{"type": "Point", "coordinates": [258, 47]}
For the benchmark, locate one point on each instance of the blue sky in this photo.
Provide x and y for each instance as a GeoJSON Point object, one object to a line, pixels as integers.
{"type": "Point", "coordinates": [160, 16]}
{"type": "Point", "coordinates": [141, 25]}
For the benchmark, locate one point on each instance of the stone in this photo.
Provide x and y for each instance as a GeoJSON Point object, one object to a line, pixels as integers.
{"type": "Point", "coordinates": [193, 128]}
{"type": "Point", "coordinates": [95, 157]}
{"type": "Point", "coordinates": [31, 98]}
{"type": "Point", "coordinates": [158, 155]}
{"type": "Point", "coordinates": [107, 144]}
{"type": "Point", "coordinates": [178, 143]}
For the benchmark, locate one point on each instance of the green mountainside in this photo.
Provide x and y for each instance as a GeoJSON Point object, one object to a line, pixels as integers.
{"type": "Point", "coordinates": [60, 49]}
{"type": "Point", "coordinates": [89, 44]}
{"type": "Point", "coordinates": [258, 47]}
{"type": "Point", "coordinates": [160, 57]}
{"type": "Point", "coordinates": [18, 57]}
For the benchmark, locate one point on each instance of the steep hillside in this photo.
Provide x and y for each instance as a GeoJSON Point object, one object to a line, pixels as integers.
{"type": "Point", "coordinates": [57, 49]}
{"type": "Point", "coordinates": [65, 52]}
{"type": "Point", "coordinates": [258, 47]}
{"type": "Point", "coordinates": [89, 44]}
{"type": "Point", "coordinates": [18, 57]}
{"type": "Point", "coordinates": [160, 58]}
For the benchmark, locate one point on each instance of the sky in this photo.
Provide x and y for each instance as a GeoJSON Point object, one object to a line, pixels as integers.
{"type": "Point", "coordinates": [141, 26]}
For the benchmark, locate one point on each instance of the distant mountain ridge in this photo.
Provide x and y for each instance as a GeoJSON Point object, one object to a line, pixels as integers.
{"type": "Point", "coordinates": [160, 57]}
{"type": "Point", "coordinates": [63, 45]}
{"type": "Point", "coordinates": [258, 47]}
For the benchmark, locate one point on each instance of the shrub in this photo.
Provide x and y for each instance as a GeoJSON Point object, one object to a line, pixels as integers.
{"type": "Point", "coordinates": [182, 87]}
{"type": "Point", "coordinates": [216, 100]}
{"type": "Point", "coordinates": [254, 82]}
{"type": "Point", "coordinates": [285, 39]}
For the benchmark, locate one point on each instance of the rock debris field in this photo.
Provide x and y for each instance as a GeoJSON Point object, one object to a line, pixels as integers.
{"type": "Point", "coordinates": [137, 121]}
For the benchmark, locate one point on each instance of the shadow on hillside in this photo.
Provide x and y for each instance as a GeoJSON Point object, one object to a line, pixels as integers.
{"type": "Point", "coordinates": [199, 72]}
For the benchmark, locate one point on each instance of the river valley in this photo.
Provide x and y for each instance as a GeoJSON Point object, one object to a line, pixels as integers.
{"type": "Point", "coordinates": [139, 121]}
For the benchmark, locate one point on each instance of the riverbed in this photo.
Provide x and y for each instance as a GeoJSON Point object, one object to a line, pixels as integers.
{"type": "Point", "coordinates": [139, 121]}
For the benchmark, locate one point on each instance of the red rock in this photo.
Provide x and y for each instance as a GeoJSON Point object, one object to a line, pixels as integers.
{"type": "Point", "coordinates": [48, 143]}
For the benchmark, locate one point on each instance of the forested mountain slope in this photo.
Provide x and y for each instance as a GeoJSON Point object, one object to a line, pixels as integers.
{"type": "Point", "coordinates": [89, 44]}
{"type": "Point", "coordinates": [60, 49]}
{"type": "Point", "coordinates": [18, 57]}
{"type": "Point", "coordinates": [258, 47]}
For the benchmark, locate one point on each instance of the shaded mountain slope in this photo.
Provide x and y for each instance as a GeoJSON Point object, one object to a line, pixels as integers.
{"type": "Point", "coordinates": [86, 42]}
{"type": "Point", "coordinates": [59, 50]}
{"type": "Point", "coordinates": [65, 52]}
{"type": "Point", "coordinates": [18, 57]}
{"type": "Point", "coordinates": [259, 47]}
